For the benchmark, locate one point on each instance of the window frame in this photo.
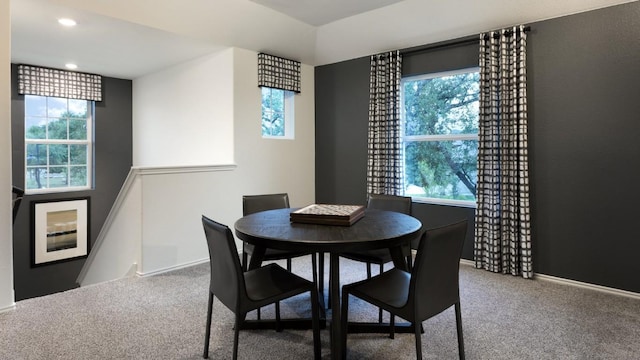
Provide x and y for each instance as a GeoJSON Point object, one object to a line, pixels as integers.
{"type": "Point", "coordinates": [427, 138]}
{"type": "Point", "coordinates": [288, 114]}
{"type": "Point", "coordinates": [89, 142]}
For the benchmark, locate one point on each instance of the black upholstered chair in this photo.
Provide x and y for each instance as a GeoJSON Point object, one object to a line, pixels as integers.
{"type": "Point", "coordinates": [255, 203]}
{"type": "Point", "coordinates": [430, 288]}
{"type": "Point", "coordinates": [401, 204]}
{"type": "Point", "coordinates": [17, 194]}
{"type": "Point", "coordinates": [242, 291]}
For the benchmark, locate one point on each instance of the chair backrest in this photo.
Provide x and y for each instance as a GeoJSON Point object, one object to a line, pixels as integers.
{"type": "Point", "coordinates": [227, 281]}
{"type": "Point", "coordinates": [434, 278]}
{"type": "Point", "coordinates": [401, 204]}
{"type": "Point", "coordinates": [17, 194]}
{"type": "Point", "coordinates": [255, 203]}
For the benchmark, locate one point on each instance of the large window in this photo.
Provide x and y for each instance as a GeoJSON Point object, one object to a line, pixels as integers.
{"type": "Point", "coordinates": [440, 117]}
{"type": "Point", "coordinates": [58, 144]}
{"type": "Point", "coordinates": [277, 113]}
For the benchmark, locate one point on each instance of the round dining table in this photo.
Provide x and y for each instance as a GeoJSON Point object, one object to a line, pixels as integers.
{"type": "Point", "coordinates": [377, 229]}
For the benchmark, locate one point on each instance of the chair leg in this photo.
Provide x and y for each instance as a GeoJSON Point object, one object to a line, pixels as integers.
{"type": "Point", "coordinates": [392, 326]}
{"type": "Point", "coordinates": [289, 264]}
{"type": "Point", "coordinates": [245, 267]}
{"type": "Point", "coordinates": [459, 329]}
{"type": "Point", "coordinates": [344, 322]}
{"type": "Point", "coordinates": [245, 261]}
{"type": "Point", "coordinates": [207, 332]}
{"type": "Point", "coordinates": [315, 323]}
{"type": "Point", "coordinates": [321, 273]}
{"type": "Point", "coordinates": [368, 270]}
{"type": "Point", "coordinates": [329, 290]}
{"type": "Point", "coordinates": [417, 325]}
{"type": "Point", "coordinates": [314, 275]}
{"type": "Point", "coordinates": [380, 309]}
{"type": "Point", "coordinates": [278, 324]}
{"type": "Point", "coordinates": [236, 334]}
{"type": "Point", "coordinates": [314, 270]}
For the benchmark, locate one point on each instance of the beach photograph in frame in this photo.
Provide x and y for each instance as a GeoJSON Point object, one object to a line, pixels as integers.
{"type": "Point", "coordinates": [60, 230]}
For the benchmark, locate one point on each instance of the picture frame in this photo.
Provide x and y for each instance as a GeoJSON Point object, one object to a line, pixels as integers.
{"type": "Point", "coordinates": [60, 230]}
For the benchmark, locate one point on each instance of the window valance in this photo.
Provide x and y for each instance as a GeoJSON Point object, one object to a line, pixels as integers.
{"type": "Point", "coordinates": [36, 80]}
{"type": "Point", "coordinates": [279, 73]}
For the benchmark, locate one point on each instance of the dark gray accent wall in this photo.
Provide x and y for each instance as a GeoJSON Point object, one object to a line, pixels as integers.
{"type": "Point", "coordinates": [584, 76]}
{"type": "Point", "coordinates": [342, 108]}
{"type": "Point", "coordinates": [584, 126]}
{"type": "Point", "coordinates": [112, 160]}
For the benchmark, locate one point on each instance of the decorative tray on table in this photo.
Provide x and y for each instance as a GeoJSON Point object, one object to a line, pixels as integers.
{"type": "Point", "coordinates": [328, 214]}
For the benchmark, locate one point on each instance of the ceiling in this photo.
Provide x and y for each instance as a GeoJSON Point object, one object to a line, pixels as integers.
{"type": "Point", "coordinates": [131, 38]}
{"type": "Point", "coordinates": [321, 12]}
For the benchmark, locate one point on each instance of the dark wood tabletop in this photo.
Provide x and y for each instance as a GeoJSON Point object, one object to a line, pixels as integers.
{"type": "Point", "coordinates": [377, 229]}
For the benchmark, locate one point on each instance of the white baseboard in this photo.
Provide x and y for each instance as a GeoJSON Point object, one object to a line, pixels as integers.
{"type": "Point", "coordinates": [467, 262]}
{"type": "Point", "coordinates": [172, 268]}
{"type": "Point", "coordinates": [133, 270]}
{"type": "Point", "coordinates": [579, 284]}
{"type": "Point", "coordinates": [584, 285]}
{"type": "Point", "coordinates": [8, 308]}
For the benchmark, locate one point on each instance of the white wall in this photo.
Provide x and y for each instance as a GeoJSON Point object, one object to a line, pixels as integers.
{"type": "Point", "coordinates": [184, 114]}
{"type": "Point", "coordinates": [116, 252]}
{"type": "Point", "coordinates": [173, 204]}
{"type": "Point", "coordinates": [6, 251]}
{"type": "Point", "coordinates": [202, 163]}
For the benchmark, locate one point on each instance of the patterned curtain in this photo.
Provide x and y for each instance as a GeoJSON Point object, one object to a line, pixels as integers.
{"type": "Point", "coordinates": [384, 158]}
{"type": "Point", "coordinates": [502, 226]}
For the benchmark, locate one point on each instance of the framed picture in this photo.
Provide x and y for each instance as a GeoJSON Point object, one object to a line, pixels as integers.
{"type": "Point", "coordinates": [60, 230]}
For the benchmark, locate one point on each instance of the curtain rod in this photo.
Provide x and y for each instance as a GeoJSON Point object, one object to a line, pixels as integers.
{"type": "Point", "coordinates": [463, 41]}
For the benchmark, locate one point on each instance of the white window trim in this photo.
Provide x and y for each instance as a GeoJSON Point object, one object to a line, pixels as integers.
{"type": "Point", "coordinates": [447, 202]}
{"type": "Point", "coordinates": [448, 137]}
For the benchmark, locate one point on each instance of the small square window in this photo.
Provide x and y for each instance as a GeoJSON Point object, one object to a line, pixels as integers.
{"type": "Point", "coordinates": [277, 113]}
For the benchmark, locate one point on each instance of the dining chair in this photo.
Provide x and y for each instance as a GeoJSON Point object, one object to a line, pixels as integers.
{"type": "Point", "coordinates": [401, 204]}
{"type": "Point", "coordinates": [256, 203]}
{"type": "Point", "coordinates": [242, 291]}
{"type": "Point", "coordinates": [17, 195]}
{"type": "Point", "coordinates": [431, 287]}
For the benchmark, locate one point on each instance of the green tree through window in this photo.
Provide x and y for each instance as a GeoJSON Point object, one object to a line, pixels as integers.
{"type": "Point", "coordinates": [440, 116]}
{"type": "Point", "coordinates": [272, 112]}
{"type": "Point", "coordinates": [58, 143]}
{"type": "Point", "coordinates": [277, 113]}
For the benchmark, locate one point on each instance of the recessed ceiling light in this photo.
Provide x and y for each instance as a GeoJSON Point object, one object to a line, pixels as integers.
{"type": "Point", "coordinates": [71, 66]}
{"type": "Point", "coordinates": [67, 22]}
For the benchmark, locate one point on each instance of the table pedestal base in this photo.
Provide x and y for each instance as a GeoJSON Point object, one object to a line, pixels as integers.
{"type": "Point", "coordinates": [379, 328]}
{"type": "Point", "coordinates": [270, 324]}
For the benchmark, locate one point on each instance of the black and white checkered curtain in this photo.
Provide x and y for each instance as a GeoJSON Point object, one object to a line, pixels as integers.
{"type": "Point", "coordinates": [278, 73]}
{"type": "Point", "coordinates": [384, 161]}
{"type": "Point", "coordinates": [36, 80]}
{"type": "Point", "coordinates": [502, 226]}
